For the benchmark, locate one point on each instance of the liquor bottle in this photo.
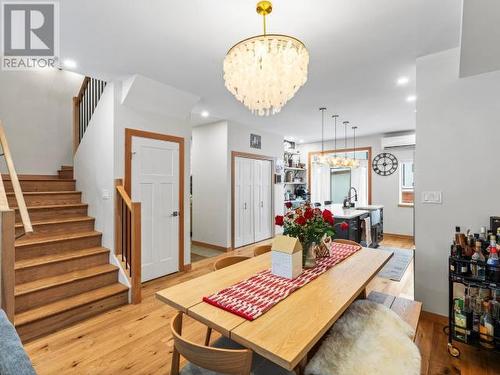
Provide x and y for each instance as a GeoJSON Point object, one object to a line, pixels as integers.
{"type": "Point", "coordinates": [482, 234]}
{"type": "Point", "coordinates": [453, 253]}
{"type": "Point", "coordinates": [478, 268]}
{"type": "Point", "coordinates": [493, 262]}
{"type": "Point", "coordinates": [462, 265]}
{"type": "Point", "coordinates": [486, 328]}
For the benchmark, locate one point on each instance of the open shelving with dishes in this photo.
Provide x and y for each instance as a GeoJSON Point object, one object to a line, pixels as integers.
{"type": "Point", "coordinates": [294, 175]}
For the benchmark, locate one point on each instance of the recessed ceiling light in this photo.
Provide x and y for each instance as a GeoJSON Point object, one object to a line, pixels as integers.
{"type": "Point", "coordinates": [411, 98]}
{"type": "Point", "coordinates": [205, 114]}
{"type": "Point", "coordinates": [403, 81]}
{"type": "Point", "coordinates": [301, 141]}
{"type": "Point", "coordinates": [70, 64]}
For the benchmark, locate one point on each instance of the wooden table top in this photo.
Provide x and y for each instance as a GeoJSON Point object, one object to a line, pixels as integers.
{"type": "Point", "coordinates": [291, 328]}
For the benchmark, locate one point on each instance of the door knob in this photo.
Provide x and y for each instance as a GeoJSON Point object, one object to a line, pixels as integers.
{"type": "Point", "coordinates": [175, 213]}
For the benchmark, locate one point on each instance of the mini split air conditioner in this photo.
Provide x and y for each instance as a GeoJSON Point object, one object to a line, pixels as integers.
{"type": "Point", "coordinates": [398, 141]}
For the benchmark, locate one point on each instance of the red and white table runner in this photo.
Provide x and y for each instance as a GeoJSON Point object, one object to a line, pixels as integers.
{"type": "Point", "coordinates": [253, 297]}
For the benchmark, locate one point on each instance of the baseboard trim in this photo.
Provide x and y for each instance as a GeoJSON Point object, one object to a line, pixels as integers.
{"type": "Point", "coordinates": [210, 246]}
{"type": "Point", "coordinates": [401, 236]}
{"type": "Point", "coordinates": [436, 318]}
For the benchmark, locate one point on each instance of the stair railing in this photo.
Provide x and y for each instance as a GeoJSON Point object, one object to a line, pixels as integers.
{"type": "Point", "coordinates": [128, 238]}
{"type": "Point", "coordinates": [8, 231]}
{"type": "Point", "coordinates": [84, 104]}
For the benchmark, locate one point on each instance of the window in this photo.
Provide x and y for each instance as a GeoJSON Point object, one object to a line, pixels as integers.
{"type": "Point", "coordinates": [406, 184]}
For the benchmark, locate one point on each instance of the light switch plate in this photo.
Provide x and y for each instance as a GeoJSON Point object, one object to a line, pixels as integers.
{"type": "Point", "coordinates": [105, 194]}
{"type": "Point", "coordinates": [433, 197]}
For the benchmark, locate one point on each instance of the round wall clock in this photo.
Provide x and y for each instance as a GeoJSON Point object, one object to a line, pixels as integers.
{"type": "Point", "coordinates": [385, 164]}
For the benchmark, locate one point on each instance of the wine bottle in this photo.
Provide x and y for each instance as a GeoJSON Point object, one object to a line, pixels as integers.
{"type": "Point", "coordinates": [478, 268]}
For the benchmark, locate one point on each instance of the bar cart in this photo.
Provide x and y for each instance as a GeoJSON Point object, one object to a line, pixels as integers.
{"type": "Point", "coordinates": [459, 271]}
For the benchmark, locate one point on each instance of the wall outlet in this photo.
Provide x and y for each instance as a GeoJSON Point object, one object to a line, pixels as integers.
{"type": "Point", "coordinates": [433, 197]}
{"type": "Point", "coordinates": [105, 194]}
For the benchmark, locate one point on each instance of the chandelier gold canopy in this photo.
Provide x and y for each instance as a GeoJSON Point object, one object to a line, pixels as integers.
{"type": "Point", "coordinates": [265, 71]}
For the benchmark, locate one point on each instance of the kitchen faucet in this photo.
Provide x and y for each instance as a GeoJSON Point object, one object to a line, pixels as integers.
{"type": "Point", "coordinates": [347, 200]}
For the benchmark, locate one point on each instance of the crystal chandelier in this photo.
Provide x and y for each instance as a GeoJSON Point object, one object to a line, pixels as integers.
{"type": "Point", "coordinates": [265, 71]}
{"type": "Point", "coordinates": [322, 159]}
{"type": "Point", "coordinates": [335, 161]}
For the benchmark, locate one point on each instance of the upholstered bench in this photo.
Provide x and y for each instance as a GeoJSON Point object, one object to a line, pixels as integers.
{"type": "Point", "coordinates": [13, 358]}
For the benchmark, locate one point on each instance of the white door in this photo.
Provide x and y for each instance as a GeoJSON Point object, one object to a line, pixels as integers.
{"type": "Point", "coordinates": [243, 202]}
{"type": "Point", "coordinates": [155, 183]}
{"type": "Point", "coordinates": [262, 199]}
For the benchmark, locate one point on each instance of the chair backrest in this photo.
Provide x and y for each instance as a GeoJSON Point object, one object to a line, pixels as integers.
{"type": "Point", "coordinates": [327, 203]}
{"type": "Point", "coordinates": [226, 361]}
{"type": "Point", "coordinates": [228, 261]}
{"type": "Point", "coordinates": [347, 242]}
{"type": "Point", "coordinates": [259, 250]}
{"type": "Point", "coordinates": [317, 204]}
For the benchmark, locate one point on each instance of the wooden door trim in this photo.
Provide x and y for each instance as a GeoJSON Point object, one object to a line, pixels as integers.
{"type": "Point", "coordinates": [129, 133]}
{"type": "Point", "coordinates": [368, 149]}
{"type": "Point", "coordinates": [238, 154]}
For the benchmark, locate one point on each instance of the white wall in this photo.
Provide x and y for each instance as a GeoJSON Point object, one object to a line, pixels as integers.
{"type": "Point", "coordinates": [209, 165]}
{"type": "Point", "coordinates": [272, 145]}
{"type": "Point", "coordinates": [457, 153]}
{"type": "Point", "coordinates": [36, 109]}
{"type": "Point", "coordinates": [94, 171]}
{"type": "Point", "coordinates": [385, 189]}
{"type": "Point", "coordinates": [233, 137]}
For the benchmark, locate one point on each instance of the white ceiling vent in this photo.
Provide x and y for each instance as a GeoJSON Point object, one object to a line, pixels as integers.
{"type": "Point", "coordinates": [398, 141]}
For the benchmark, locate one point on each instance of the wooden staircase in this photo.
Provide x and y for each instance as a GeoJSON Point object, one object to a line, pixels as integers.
{"type": "Point", "coordinates": [62, 273]}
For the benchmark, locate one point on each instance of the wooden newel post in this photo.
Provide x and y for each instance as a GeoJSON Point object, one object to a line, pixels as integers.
{"type": "Point", "coordinates": [118, 218]}
{"type": "Point", "coordinates": [7, 260]}
{"type": "Point", "coordinates": [136, 252]}
{"type": "Point", "coordinates": [76, 123]}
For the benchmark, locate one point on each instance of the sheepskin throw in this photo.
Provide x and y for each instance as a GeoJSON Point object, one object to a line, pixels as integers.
{"type": "Point", "coordinates": [368, 339]}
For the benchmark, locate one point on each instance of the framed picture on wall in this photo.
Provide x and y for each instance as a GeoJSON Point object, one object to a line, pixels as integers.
{"type": "Point", "coordinates": [255, 141]}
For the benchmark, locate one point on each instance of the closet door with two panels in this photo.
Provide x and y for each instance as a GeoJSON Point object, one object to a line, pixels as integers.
{"type": "Point", "coordinates": [252, 201]}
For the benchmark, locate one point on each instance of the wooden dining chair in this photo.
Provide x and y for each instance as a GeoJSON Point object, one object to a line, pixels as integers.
{"type": "Point", "coordinates": [347, 242]}
{"type": "Point", "coordinates": [226, 361]}
{"type": "Point", "coordinates": [229, 261]}
{"type": "Point", "coordinates": [225, 356]}
{"type": "Point", "coordinates": [220, 264]}
{"type": "Point", "coordinates": [259, 250]}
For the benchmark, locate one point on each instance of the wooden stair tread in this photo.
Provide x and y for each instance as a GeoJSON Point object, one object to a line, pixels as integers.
{"type": "Point", "coordinates": [67, 304]}
{"type": "Point", "coordinates": [28, 241]}
{"type": "Point", "coordinates": [74, 219]}
{"type": "Point", "coordinates": [59, 257]}
{"type": "Point", "coordinates": [46, 192]}
{"type": "Point", "coordinates": [40, 178]}
{"type": "Point", "coordinates": [62, 279]}
{"type": "Point", "coordinates": [55, 206]}
{"type": "Point", "coordinates": [24, 177]}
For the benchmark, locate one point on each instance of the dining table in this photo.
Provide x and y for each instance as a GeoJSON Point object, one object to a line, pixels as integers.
{"type": "Point", "coordinates": [290, 329]}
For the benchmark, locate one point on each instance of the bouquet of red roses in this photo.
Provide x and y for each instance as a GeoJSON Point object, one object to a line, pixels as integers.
{"type": "Point", "coordinates": [308, 224]}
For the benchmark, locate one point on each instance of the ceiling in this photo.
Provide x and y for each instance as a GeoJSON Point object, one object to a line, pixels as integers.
{"type": "Point", "coordinates": [358, 49]}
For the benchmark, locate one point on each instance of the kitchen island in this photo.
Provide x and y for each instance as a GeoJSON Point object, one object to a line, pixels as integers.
{"type": "Point", "coordinates": [355, 217]}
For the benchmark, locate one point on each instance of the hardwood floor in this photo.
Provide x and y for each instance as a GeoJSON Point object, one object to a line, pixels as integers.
{"type": "Point", "coordinates": [135, 339]}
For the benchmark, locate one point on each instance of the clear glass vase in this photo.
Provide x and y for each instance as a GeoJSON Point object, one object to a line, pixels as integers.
{"type": "Point", "coordinates": [308, 256]}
